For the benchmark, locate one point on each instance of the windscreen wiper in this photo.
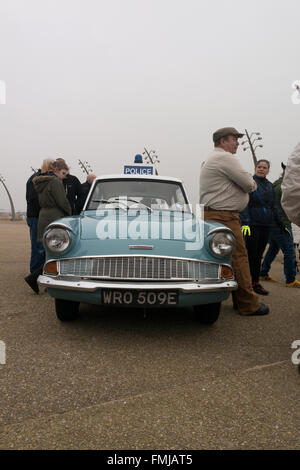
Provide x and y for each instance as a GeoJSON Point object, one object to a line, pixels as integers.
{"type": "Point", "coordinates": [120, 199]}
{"type": "Point", "coordinates": [105, 201]}
{"type": "Point", "coordinates": [133, 200]}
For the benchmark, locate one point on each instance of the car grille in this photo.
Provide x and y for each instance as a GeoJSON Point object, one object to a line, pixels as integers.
{"type": "Point", "coordinates": [139, 268]}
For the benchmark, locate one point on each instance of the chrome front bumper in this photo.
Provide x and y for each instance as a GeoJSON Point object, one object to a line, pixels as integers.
{"type": "Point", "coordinates": [92, 286]}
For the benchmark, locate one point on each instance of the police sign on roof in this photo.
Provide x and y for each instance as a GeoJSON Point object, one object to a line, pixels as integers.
{"type": "Point", "coordinates": [138, 170]}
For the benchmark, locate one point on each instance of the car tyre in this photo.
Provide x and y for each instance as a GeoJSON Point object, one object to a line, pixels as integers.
{"type": "Point", "coordinates": [207, 314]}
{"type": "Point", "coordinates": [66, 310]}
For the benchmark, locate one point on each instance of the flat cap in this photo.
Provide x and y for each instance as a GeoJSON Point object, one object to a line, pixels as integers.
{"type": "Point", "coordinates": [224, 132]}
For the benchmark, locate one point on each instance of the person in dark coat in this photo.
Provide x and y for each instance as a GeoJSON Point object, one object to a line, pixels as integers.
{"type": "Point", "coordinates": [73, 189]}
{"type": "Point", "coordinates": [53, 205]}
{"type": "Point", "coordinates": [32, 216]}
{"type": "Point", "coordinates": [281, 240]}
{"type": "Point", "coordinates": [256, 219]}
{"type": "Point", "coordinates": [85, 189]}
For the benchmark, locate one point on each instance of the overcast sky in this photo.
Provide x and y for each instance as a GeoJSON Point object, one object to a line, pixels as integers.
{"type": "Point", "coordinates": [102, 79]}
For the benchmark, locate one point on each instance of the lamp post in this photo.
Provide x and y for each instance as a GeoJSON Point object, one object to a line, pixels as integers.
{"type": "Point", "coordinates": [251, 142]}
{"type": "Point", "coordinates": [13, 212]}
{"type": "Point", "coordinates": [85, 166]}
{"type": "Point", "coordinates": [151, 157]}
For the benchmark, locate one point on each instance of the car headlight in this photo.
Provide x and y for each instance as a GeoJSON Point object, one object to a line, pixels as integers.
{"type": "Point", "coordinates": [222, 244]}
{"type": "Point", "coordinates": [57, 240]}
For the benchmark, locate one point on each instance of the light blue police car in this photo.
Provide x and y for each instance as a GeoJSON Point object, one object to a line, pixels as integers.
{"type": "Point", "coordinates": [137, 243]}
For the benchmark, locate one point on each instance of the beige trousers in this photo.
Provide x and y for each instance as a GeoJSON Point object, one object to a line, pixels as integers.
{"type": "Point", "coordinates": [245, 300]}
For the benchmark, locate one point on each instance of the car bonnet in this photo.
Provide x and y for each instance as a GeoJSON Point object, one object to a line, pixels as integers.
{"type": "Point", "coordinates": [139, 224]}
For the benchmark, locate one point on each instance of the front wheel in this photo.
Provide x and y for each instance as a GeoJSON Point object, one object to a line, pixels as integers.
{"type": "Point", "coordinates": [207, 314]}
{"type": "Point", "coordinates": [66, 310]}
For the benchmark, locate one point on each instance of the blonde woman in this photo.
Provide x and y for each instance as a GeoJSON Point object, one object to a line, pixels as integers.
{"type": "Point", "coordinates": [47, 165]}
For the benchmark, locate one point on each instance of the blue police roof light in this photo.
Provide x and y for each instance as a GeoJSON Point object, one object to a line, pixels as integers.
{"type": "Point", "coordinates": [138, 159]}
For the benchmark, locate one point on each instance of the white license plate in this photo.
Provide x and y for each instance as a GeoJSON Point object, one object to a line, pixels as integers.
{"type": "Point", "coordinates": [139, 298]}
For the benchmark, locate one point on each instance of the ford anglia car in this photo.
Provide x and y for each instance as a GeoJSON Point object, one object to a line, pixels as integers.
{"type": "Point", "coordinates": [137, 244]}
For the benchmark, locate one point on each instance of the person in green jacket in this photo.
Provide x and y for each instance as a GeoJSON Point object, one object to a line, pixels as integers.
{"type": "Point", "coordinates": [53, 203]}
{"type": "Point", "coordinates": [52, 197]}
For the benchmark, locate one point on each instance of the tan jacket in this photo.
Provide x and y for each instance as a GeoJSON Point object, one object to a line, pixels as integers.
{"type": "Point", "coordinates": [224, 184]}
{"type": "Point", "coordinates": [290, 200]}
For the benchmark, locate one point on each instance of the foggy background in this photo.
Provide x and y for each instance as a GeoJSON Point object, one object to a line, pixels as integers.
{"type": "Point", "coordinates": [100, 80]}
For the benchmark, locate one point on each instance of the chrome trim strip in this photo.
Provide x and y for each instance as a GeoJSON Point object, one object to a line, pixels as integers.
{"type": "Point", "coordinates": [141, 247]}
{"type": "Point", "coordinates": [91, 286]}
{"type": "Point", "coordinates": [59, 225]}
{"type": "Point", "coordinates": [220, 229]}
{"type": "Point", "coordinates": [139, 255]}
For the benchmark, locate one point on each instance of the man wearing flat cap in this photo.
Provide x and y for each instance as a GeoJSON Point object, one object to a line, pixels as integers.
{"type": "Point", "coordinates": [224, 191]}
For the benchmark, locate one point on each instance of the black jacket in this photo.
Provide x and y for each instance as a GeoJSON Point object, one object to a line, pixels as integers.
{"type": "Point", "coordinates": [278, 194]}
{"type": "Point", "coordinates": [73, 190]}
{"type": "Point", "coordinates": [85, 188]}
{"type": "Point", "coordinates": [262, 209]}
{"type": "Point", "coordinates": [33, 207]}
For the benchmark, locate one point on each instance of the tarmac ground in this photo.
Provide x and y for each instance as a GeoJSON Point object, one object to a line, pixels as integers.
{"type": "Point", "coordinates": [115, 379]}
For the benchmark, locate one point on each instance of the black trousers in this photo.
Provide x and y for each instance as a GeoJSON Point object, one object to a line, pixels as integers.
{"type": "Point", "coordinates": [256, 244]}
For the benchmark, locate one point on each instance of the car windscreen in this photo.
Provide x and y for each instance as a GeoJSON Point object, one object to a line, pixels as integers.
{"type": "Point", "coordinates": [138, 193]}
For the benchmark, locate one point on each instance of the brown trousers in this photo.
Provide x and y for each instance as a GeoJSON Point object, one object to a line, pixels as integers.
{"type": "Point", "coordinates": [244, 298]}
